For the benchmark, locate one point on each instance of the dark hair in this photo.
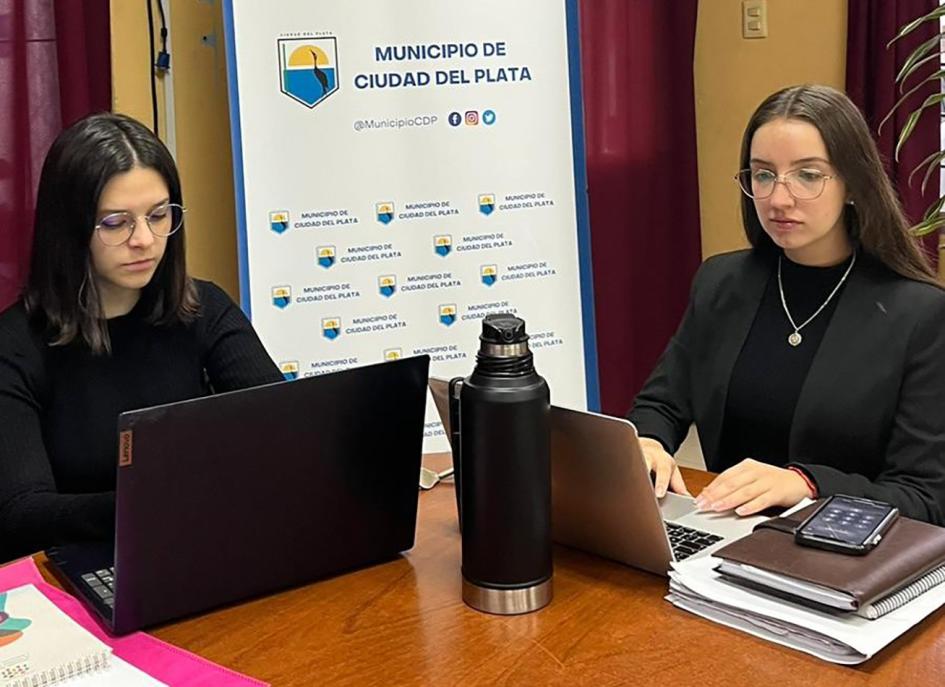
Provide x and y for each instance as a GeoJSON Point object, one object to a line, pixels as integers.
{"type": "Point", "coordinates": [61, 287]}
{"type": "Point", "coordinates": [875, 220]}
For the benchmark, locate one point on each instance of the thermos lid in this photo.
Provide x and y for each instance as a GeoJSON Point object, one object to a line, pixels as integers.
{"type": "Point", "coordinates": [503, 329]}
{"type": "Point", "coordinates": [503, 336]}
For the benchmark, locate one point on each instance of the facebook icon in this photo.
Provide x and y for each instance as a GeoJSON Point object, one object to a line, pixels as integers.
{"type": "Point", "coordinates": [455, 118]}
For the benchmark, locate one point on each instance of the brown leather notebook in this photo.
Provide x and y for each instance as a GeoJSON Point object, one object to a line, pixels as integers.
{"type": "Point", "coordinates": [909, 550]}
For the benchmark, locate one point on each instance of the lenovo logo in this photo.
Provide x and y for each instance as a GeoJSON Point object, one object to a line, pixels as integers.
{"type": "Point", "coordinates": [124, 448]}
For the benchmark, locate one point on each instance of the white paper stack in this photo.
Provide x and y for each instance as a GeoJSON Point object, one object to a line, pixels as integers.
{"type": "Point", "coordinates": [839, 638]}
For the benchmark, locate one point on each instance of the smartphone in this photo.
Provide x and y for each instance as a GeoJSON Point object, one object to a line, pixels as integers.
{"type": "Point", "coordinates": [847, 524]}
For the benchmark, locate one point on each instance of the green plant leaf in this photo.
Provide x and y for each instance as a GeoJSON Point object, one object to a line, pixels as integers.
{"type": "Point", "coordinates": [932, 77]}
{"type": "Point", "coordinates": [935, 56]}
{"type": "Point", "coordinates": [925, 228]}
{"type": "Point", "coordinates": [934, 165]}
{"type": "Point", "coordinates": [913, 119]}
{"type": "Point", "coordinates": [931, 164]}
{"type": "Point", "coordinates": [907, 130]}
{"type": "Point", "coordinates": [934, 210]}
{"type": "Point", "coordinates": [937, 13]}
{"type": "Point", "coordinates": [916, 55]}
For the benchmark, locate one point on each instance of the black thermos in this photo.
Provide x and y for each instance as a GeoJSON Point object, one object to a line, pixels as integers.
{"type": "Point", "coordinates": [500, 422]}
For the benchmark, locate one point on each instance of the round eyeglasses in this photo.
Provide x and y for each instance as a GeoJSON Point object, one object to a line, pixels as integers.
{"type": "Point", "coordinates": [802, 184]}
{"type": "Point", "coordinates": [118, 227]}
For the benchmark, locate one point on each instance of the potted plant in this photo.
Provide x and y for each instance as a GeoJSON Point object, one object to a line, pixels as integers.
{"type": "Point", "coordinates": [916, 64]}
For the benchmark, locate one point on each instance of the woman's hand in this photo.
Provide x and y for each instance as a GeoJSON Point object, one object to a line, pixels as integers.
{"type": "Point", "coordinates": [752, 486]}
{"type": "Point", "coordinates": [663, 466]}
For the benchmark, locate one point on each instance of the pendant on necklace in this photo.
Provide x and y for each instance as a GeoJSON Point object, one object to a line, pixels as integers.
{"type": "Point", "coordinates": [795, 339]}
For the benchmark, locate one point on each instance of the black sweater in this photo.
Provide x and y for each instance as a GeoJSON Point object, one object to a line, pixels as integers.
{"type": "Point", "coordinates": [769, 373]}
{"type": "Point", "coordinates": [59, 407]}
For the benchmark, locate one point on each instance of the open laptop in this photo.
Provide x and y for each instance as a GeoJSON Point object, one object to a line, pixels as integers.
{"type": "Point", "coordinates": [243, 493]}
{"type": "Point", "coordinates": [602, 496]}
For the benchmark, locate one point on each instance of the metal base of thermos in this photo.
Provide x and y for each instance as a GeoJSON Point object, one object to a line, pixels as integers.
{"type": "Point", "coordinates": [507, 601]}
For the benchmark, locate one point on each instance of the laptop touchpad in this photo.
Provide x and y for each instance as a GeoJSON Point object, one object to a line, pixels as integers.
{"type": "Point", "coordinates": [673, 506]}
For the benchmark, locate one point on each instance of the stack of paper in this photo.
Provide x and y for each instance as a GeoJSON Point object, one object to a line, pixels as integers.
{"type": "Point", "coordinates": [839, 638]}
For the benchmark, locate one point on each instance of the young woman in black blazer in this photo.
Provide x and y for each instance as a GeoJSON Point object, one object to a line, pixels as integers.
{"type": "Point", "coordinates": [109, 321]}
{"type": "Point", "coordinates": [814, 362]}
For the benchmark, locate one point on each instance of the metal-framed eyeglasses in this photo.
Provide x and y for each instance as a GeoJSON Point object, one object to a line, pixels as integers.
{"type": "Point", "coordinates": [802, 184]}
{"type": "Point", "coordinates": [118, 227]}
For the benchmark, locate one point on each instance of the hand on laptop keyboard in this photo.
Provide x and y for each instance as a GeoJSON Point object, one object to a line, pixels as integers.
{"type": "Point", "coordinates": [663, 467]}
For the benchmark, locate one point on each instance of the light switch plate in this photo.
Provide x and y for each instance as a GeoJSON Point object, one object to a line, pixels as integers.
{"type": "Point", "coordinates": [754, 18]}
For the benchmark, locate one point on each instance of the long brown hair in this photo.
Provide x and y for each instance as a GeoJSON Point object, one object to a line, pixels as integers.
{"type": "Point", "coordinates": [61, 288]}
{"type": "Point", "coordinates": [875, 220]}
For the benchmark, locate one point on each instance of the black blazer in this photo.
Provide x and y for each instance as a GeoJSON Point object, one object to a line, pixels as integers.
{"type": "Point", "coordinates": [870, 418]}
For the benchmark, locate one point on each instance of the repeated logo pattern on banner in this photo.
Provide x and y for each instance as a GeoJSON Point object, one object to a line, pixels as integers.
{"type": "Point", "coordinates": [403, 171]}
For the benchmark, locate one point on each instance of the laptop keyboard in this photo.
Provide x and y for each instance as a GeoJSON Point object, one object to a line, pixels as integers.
{"type": "Point", "coordinates": [686, 541]}
{"type": "Point", "coordinates": [102, 583]}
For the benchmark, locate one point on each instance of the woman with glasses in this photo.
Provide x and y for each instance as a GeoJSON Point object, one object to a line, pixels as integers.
{"type": "Point", "coordinates": [110, 321]}
{"type": "Point", "coordinates": [814, 362]}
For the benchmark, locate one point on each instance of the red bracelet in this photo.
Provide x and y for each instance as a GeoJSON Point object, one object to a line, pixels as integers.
{"type": "Point", "coordinates": [811, 487]}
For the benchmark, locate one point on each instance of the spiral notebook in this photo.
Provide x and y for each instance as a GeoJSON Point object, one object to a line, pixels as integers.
{"type": "Point", "coordinates": [890, 603]}
{"type": "Point", "coordinates": [41, 645]}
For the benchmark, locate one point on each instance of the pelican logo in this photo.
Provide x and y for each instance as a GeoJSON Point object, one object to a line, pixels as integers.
{"type": "Point", "coordinates": [488, 274]}
{"type": "Point", "coordinates": [308, 68]}
{"type": "Point", "coordinates": [393, 354]}
{"type": "Point", "coordinates": [486, 203]}
{"type": "Point", "coordinates": [387, 285]}
{"type": "Point", "coordinates": [325, 256]}
{"type": "Point", "coordinates": [279, 221]}
{"type": "Point", "coordinates": [331, 328]}
{"type": "Point", "coordinates": [442, 244]}
{"type": "Point", "coordinates": [290, 369]}
{"type": "Point", "coordinates": [385, 212]}
{"type": "Point", "coordinates": [125, 454]}
{"type": "Point", "coordinates": [448, 314]}
{"type": "Point", "coordinates": [281, 296]}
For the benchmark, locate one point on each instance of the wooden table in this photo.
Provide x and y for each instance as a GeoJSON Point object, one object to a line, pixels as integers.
{"type": "Point", "coordinates": [404, 623]}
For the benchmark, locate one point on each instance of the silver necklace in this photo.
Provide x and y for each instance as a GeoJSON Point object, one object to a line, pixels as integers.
{"type": "Point", "coordinates": [795, 338]}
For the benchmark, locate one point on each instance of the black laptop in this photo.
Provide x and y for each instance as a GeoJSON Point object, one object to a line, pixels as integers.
{"type": "Point", "coordinates": [243, 493]}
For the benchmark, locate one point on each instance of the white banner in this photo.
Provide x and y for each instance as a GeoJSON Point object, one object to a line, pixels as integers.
{"type": "Point", "coordinates": [402, 170]}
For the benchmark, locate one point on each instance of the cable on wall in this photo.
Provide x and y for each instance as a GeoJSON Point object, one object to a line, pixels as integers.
{"type": "Point", "coordinates": [160, 63]}
{"type": "Point", "coordinates": [151, 68]}
{"type": "Point", "coordinates": [163, 61]}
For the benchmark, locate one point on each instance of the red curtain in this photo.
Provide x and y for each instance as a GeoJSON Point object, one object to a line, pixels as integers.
{"type": "Point", "coordinates": [637, 60]}
{"type": "Point", "coordinates": [54, 68]}
{"type": "Point", "coordinates": [871, 73]}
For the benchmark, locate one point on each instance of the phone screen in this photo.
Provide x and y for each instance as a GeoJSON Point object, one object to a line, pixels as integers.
{"type": "Point", "coordinates": [847, 520]}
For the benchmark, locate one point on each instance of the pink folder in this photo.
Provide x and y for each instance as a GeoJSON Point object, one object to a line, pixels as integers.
{"type": "Point", "coordinates": [161, 660]}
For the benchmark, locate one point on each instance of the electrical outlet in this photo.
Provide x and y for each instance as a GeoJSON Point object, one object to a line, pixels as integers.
{"type": "Point", "coordinates": [754, 18]}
